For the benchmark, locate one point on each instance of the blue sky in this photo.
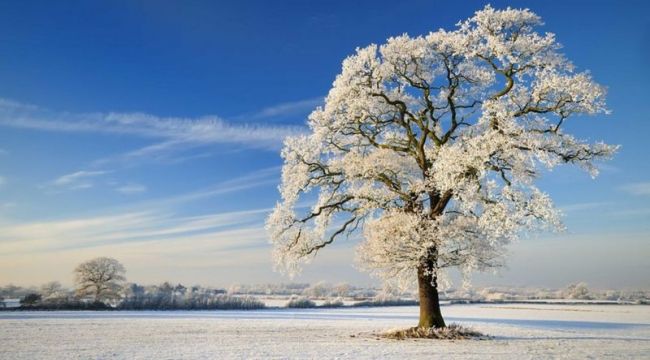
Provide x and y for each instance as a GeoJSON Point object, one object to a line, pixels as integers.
{"type": "Point", "coordinates": [150, 131]}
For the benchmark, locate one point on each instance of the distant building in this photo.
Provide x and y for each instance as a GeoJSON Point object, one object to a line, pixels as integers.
{"type": "Point", "coordinates": [9, 303]}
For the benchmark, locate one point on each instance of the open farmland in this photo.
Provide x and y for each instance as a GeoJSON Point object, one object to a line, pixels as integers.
{"type": "Point", "coordinates": [519, 331]}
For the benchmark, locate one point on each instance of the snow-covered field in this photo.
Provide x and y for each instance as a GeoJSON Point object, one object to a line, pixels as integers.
{"type": "Point", "coordinates": [523, 331]}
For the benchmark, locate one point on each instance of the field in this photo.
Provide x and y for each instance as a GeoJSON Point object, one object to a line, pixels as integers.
{"type": "Point", "coordinates": [519, 331]}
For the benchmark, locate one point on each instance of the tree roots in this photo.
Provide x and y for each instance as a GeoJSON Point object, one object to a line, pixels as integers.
{"type": "Point", "coordinates": [451, 332]}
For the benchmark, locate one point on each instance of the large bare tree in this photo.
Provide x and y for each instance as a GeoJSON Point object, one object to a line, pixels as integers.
{"type": "Point", "coordinates": [101, 278]}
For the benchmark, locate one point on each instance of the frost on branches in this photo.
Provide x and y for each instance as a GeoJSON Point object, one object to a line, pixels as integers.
{"type": "Point", "coordinates": [431, 145]}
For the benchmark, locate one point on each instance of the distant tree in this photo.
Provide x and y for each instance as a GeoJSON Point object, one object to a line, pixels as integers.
{"type": "Point", "coordinates": [180, 289]}
{"type": "Point", "coordinates": [318, 290]}
{"type": "Point", "coordinates": [13, 291]}
{"type": "Point", "coordinates": [300, 302]}
{"type": "Point", "coordinates": [31, 299]}
{"type": "Point", "coordinates": [431, 145]}
{"type": "Point", "coordinates": [100, 278]}
{"type": "Point", "coordinates": [579, 291]}
{"type": "Point", "coordinates": [342, 289]}
{"type": "Point", "coordinates": [53, 292]}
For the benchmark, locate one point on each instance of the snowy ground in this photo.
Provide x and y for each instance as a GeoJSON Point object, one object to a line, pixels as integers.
{"type": "Point", "coordinates": [525, 331]}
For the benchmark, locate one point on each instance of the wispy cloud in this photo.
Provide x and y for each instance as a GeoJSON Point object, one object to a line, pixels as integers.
{"type": "Point", "coordinates": [639, 188]}
{"type": "Point", "coordinates": [286, 109]}
{"type": "Point", "coordinates": [140, 222]}
{"type": "Point", "coordinates": [168, 151]}
{"type": "Point", "coordinates": [78, 180]}
{"type": "Point", "coordinates": [173, 138]}
{"type": "Point", "coordinates": [131, 189]}
{"type": "Point", "coordinates": [266, 176]}
{"type": "Point", "coordinates": [151, 222]}
{"type": "Point", "coordinates": [579, 207]}
{"type": "Point", "coordinates": [174, 131]}
{"type": "Point", "coordinates": [127, 228]}
{"type": "Point", "coordinates": [609, 168]}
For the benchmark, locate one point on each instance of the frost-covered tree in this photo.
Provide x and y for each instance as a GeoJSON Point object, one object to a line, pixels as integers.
{"type": "Point", "coordinates": [431, 145]}
{"type": "Point", "coordinates": [101, 278]}
{"type": "Point", "coordinates": [54, 292]}
{"type": "Point", "coordinates": [578, 291]}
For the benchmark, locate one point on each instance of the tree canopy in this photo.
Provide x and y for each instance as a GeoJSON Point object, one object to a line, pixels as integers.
{"type": "Point", "coordinates": [101, 278]}
{"type": "Point", "coordinates": [431, 146]}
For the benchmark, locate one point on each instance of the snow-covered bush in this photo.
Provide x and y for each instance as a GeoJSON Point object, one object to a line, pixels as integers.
{"type": "Point", "coordinates": [300, 302]}
{"type": "Point", "coordinates": [169, 297]}
{"type": "Point", "coordinates": [578, 291]}
{"type": "Point", "coordinates": [333, 303]}
{"type": "Point", "coordinates": [268, 289]}
{"type": "Point", "coordinates": [386, 301]}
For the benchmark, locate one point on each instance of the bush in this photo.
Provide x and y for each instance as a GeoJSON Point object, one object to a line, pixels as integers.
{"type": "Point", "coordinates": [191, 301]}
{"type": "Point", "coordinates": [300, 303]}
{"type": "Point", "coordinates": [69, 305]}
{"type": "Point", "coordinates": [332, 304]}
{"type": "Point", "coordinates": [386, 301]}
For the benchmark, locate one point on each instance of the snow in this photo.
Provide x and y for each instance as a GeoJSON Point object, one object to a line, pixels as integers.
{"type": "Point", "coordinates": [520, 331]}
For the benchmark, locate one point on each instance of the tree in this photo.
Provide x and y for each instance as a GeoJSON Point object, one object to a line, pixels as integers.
{"type": "Point", "coordinates": [577, 291]}
{"type": "Point", "coordinates": [53, 292]}
{"type": "Point", "coordinates": [101, 278]}
{"type": "Point", "coordinates": [431, 145]}
{"type": "Point", "coordinates": [31, 299]}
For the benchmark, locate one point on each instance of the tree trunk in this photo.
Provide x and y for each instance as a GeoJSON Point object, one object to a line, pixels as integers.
{"type": "Point", "coordinates": [430, 315]}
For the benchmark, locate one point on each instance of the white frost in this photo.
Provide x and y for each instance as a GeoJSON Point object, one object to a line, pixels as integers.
{"type": "Point", "coordinates": [432, 145]}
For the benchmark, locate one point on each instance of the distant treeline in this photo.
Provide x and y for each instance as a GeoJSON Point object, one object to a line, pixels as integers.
{"type": "Point", "coordinates": [576, 291]}
{"type": "Point", "coordinates": [301, 302]}
{"type": "Point", "coordinates": [179, 297]}
{"type": "Point", "coordinates": [317, 290]}
{"type": "Point", "coordinates": [165, 296]}
{"type": "Point", "coordinates": [323, 290]}
{"type": "Point", "coordinates": [386, 301]}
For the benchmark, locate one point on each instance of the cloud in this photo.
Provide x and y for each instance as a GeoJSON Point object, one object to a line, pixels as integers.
{"type": "Point", "coordinates": [173, 137]}
{"type": "Point", "coordinates": [580, 207]}
{"type": "Point", "coordinates": [131, 189]}
{"type": "Point", "coordinates": [604, 167]}
{"type": "Point", "coordinates": [173, 131]}
{"type": "Point", "coordinates": [224, 230]}
{"type": "Point", "coordinates": [169, 151]}
{"type": "Point", "coordinates": [286, 109]}
{"type": "Point", "coordinates": [146, 222]}
{"type": "Point", "coordinates": [639, 188]}
{"type": "Point", "coordinates": [76, 176]}
{"type": "Point", "coordinates": [257, 178]}
{"type": "Point", "coordinates": [78, 180]}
